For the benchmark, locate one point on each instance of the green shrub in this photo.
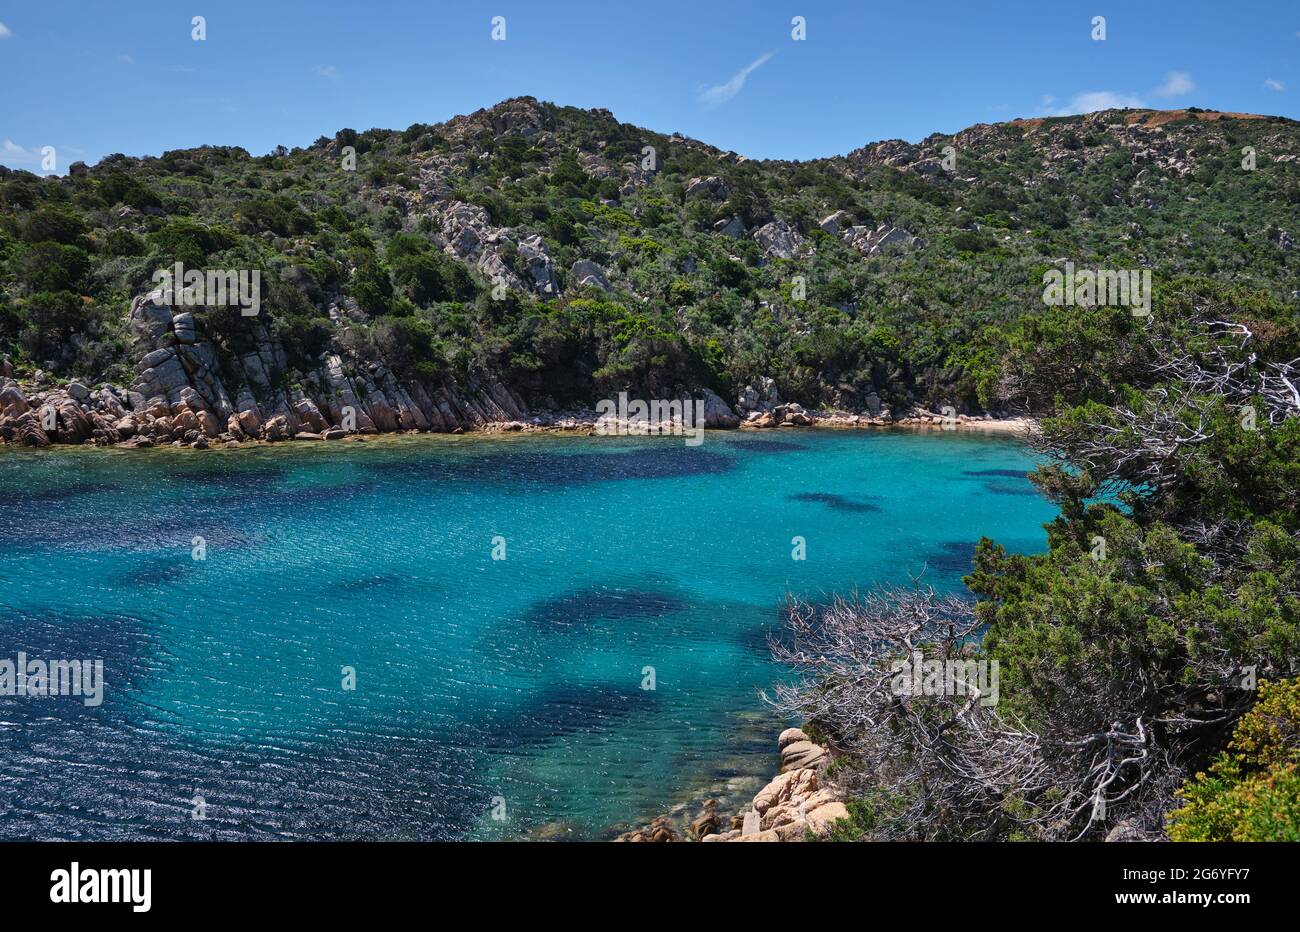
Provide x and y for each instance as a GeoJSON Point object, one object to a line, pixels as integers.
{"type": "Point", "coordinates": [371, 286]}
{"type": "Point", "coordinates": [277, 214]}
{"type": "Point", "coordinates": [52, 267]}
{"type": "Point", "coordinates": [189, 242]}
{"type": "Point", "coordinates": [120, 188]}
{"type": "Point", "coordinates": [123, 243]}
{"type": "Point", "coordinates": [1252, 790]}
{"type": "Point", "coordinates": [54, 224]}
{"type": "Point", "coordinates": [858, 826]}
{"type": "Point", "coordinates": [426, 275]}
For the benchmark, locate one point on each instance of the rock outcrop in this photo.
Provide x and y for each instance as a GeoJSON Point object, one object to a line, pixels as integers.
{"type": "Point", "coordinates": [585, 272]}
{"type": "Point", "coordinates": [799, 803]}
{"type": "Point", "coordinates": [730, 226]}
{"type": "Point", "coordinates": [836, 223]}
{"type": "Point", "coordinates": [778, 239]}
{"type": "Point", "coordinates": [468, 234]}
{"type": "Point", "coordinates": [717, 413]}
{"type": "Point", "coordinates": [185, 393]}
{"type": "Point", "coordinates": [660, 830]}
{"type": "Point", "coordinates": [871, 242]}
{"type": "Point", "coordinates": [758, 396]}
{"type": "Point", "coordinates": [712, 187]}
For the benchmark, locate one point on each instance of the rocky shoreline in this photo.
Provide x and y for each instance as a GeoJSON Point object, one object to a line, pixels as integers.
{"type": "Point", "coordinates": [800, 803]}
{"type": "Point", "coordinates": [183, 394]}
{"type": "Point", "coordinates": [108, 416]}
{"type": "Point", "coordinates": [33, 415]}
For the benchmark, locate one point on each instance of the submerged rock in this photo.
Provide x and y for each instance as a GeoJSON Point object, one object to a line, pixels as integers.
{"type": "Point", "coordinates": [660, 830]}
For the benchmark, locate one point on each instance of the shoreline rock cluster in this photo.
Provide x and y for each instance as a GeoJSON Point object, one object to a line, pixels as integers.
{"type": "Point", "coordinates": [184, 395]}
{"type": "Point", "coordinates": [800, 802]}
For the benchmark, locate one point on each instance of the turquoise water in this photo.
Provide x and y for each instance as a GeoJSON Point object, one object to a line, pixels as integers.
{"type": "Point", "coordinates": [508, 687]}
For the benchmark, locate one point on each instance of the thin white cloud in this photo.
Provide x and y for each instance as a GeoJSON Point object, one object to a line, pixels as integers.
{"type": "Point", "coordinates": [5, 31]}
{"type": "Point", "coordinates": [1089, 101]}
{"type": "Point", "coordinates": [126, 59]}
{"type": "Point", "coordinates": [13, 150]}
{"type": "Point", "coordinates": [721, 93]}
{"type": "Point", "coordinates": [16, 156]}
{"type": "Point", "coordinates": [13, 154]}
{"type": "Point", "coordinates": [328, 71]}
{"type": "Point", "coordinates": [1274, 85]}
{"type": "Point", "coordinates": [1177, 83]}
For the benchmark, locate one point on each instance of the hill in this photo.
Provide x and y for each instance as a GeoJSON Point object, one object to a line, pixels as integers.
{"type": "Point", "coordinates": [533, 257]}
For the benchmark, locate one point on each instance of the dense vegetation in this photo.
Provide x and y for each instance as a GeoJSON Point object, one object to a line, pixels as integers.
{"type": "Point", "coordinates": [1170, 590]}
{"type": "Point", "coordinates": [1252, 791]}
{"type": "Point", "coordinates": [361, 261]}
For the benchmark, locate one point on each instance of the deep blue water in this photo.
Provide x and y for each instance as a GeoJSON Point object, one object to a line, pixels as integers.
{"type": "Point", "coordinates": [512, 684]}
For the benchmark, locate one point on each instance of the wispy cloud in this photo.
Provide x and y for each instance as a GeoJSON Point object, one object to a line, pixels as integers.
{"type": "Point", "coordinates": [719, 94]}
{"type": "Point", "coordinates": [126, 59]}
{"type": "Point", "coordinates": [13, 154]}
{"type": "Point", "coordinates": [1177, 83]}
{"type": "Point", "coordinates": [17, 152]}
{"type": "Point", "coordinates": [1274, 85]}
{"type": "Point", "coordinates": [328, 71]}
{"type": "Point", "coordinates": [1089, 101]}
{"type": "Point", "coordinates": [5, 31]}
{"type": "Point", "coordinates": [16, 156]}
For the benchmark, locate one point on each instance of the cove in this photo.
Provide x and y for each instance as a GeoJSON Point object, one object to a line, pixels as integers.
{"type": "Point", "coordinates": [493, 698]}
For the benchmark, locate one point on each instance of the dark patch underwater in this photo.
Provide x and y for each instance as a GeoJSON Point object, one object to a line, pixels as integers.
{"type": "Point", "coordinates": [836, 502]}
{"type": "Point", "coordinates": [559, 469]}
{"type": "Point", "coordinates": [558, 710]}
{"type": "Point", "coordinates": [577, 608]}
{"type": "Point", "coordinates": [1003, 488]}
{"type": "Point", "coordinates": [953, 556]}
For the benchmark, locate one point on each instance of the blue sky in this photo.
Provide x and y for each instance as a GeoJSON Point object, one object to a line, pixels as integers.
{"type": "Point", "coordinates": [94, 78]}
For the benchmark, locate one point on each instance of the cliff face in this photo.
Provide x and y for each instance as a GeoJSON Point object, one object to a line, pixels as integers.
{"type": "Point", "coordinates": [184, 393]}
{"type": "Point", "coordinates": [180, 373]}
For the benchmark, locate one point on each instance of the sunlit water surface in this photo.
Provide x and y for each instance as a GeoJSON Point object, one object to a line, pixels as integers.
{"type": "Point", "coordinates": [509, 686]}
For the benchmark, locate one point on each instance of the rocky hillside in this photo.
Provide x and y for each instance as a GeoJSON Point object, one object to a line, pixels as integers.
{"type": "Point", "coordinates": [529, 258]}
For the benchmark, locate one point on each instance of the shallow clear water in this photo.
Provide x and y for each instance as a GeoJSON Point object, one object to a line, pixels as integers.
{"type": "Point", "coordinates": [482, 685]}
